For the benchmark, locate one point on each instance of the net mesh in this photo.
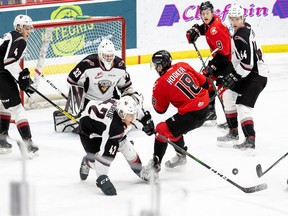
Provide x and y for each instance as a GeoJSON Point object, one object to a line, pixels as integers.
{"type": "Point", "coordinates": [55, 47]}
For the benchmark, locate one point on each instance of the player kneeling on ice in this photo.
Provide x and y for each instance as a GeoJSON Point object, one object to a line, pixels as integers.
{"type": "Point", "coordinates": [184, 88]}
{"type": "Point", "coordinates": [103, 128]}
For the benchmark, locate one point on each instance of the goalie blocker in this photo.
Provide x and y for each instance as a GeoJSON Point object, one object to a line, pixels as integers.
{"type": "Point", "coordinates": [74, 105]}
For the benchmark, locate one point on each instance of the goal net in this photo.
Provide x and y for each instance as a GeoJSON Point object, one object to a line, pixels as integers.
{"type": "Point", "coordinates": [56, 46]}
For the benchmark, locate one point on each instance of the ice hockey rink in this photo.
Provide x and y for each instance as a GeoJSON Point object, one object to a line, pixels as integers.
{"type": "Point", "coordinates": [56, 189]}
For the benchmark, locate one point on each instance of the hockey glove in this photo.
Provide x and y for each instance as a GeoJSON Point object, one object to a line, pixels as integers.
{"type": "Point", "coordinates": [104, 183]}
{"type": "Point", "coordinates": [24, 79]}
{"type": "Point", "coordinates": [193, 34]}
{"type": "Point", "coordinates": [210, 69]}
{"type": "Point", "coordinates": [148, 124]}
{"type": "Point", "coordinates": [231, 80]}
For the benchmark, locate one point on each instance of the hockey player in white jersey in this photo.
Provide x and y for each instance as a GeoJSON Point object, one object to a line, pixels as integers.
{"type": "Point", "coordinates": [240, 98]}
{"type": "Point", "coordinates": [12, 50]}
{"type": "Point", "coordinates": [103, 133]}
{"type": "Point", "coordinates": [101, 74]}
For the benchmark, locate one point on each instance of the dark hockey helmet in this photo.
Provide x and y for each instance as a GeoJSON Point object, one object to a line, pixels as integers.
{"type": "Point", "coordinates": [206, 5]}
{"type": "Point", "coordinates": [161, 61]}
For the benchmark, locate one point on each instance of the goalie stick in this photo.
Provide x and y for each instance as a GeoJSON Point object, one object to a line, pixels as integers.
{"type": "Point", "coordinates": [210, 79]}
{"type": "Point", "coordinates": [55, 105]}
{"type": "Point", "coordinates": [92, 135]}
{"type": "Point", "coordinates": [252, 189]}
{"type": "Point", "coordinates": [259, 168]}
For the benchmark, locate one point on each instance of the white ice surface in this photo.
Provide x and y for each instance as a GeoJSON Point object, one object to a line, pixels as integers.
{"type": "Point", "coordinates": [192, 190]}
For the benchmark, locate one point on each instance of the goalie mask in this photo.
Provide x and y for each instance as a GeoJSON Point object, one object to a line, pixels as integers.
{"type": "Point", "coordinates": [127, 109]}
{"type": "Point", "coordinates": [161, 61]}
{"type": "Point", "coordinates": [106, 53]}
{"type": "Point", "coordinates": [21, 21]}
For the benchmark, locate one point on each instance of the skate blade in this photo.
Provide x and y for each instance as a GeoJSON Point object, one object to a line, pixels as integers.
{"type": "Point", "coordinates": [210, 123]}
{"type": "Point", "coordinates": [32, 155]}
{"type": "Point", "coordinates": [5, 150]}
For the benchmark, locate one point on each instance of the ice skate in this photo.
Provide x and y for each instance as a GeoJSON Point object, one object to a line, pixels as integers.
{"type": "Point", "coordinates": [151, 170]}
{"type": "Point", "coordinates": [176, 161]}
{"type": "Point", "coordinates": [32, 149]}
{"type": "Point", "coordinates": [211, 119]}
{"type": "Point", "coordinates": [84, 169]}
{"type": "Point", "coordinates": [5, 146]}
{"type": "Point", "coordinates": [229, 140]}
{"type": "Point", "coordinates": [248, 145]}
{"type": "Point", "coordinates": [223, 126]}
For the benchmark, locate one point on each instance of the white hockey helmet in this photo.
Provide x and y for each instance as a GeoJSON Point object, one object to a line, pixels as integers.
{"type": "Point", "coordinates": [106, 52]}
{"type": "Point", "coordinates": [236, 10]}
{"type": "Point", "coordinates": [126, 105]}
{"type": "Point", "coordinates": [22, 20]}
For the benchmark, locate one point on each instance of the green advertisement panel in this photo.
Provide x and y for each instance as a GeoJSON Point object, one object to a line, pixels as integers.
{"type": "Point", "coordinates": [123, 8]}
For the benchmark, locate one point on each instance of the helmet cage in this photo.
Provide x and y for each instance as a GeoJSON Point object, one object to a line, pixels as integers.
{"type": "Point", "coordinates": [106, 53]}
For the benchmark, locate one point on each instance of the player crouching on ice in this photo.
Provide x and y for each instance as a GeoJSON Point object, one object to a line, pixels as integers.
{"type": "Point", "coordinates": [103, 128]}
{"type": "Point", "coordinates": [185, 89]}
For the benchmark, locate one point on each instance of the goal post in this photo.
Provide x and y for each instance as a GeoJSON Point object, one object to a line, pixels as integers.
{"type": "Point", "coordinates": [56, 46]}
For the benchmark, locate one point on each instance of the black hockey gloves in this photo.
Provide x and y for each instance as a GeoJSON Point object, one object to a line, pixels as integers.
{"type": "Point", "coordinates": [231, 81]}
{"type": "Point", "coordinates": [148, 124]}
{"type": "Point", "coordinates": [229, 78]}
{"type": "Point", "coordinates": [193, 34]}
{"type": "Point", "coordinates": [104, 183]}
{"type": "Point", "coordinates": [210, 69]}
{"type": "Point", "coordinates": [24, 79]}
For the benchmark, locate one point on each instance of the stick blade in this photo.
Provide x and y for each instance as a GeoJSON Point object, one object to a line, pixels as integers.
{"type": "Point", "coordinates": [256, 188]}
{"type": "Point", "coordinates": [259, 170]}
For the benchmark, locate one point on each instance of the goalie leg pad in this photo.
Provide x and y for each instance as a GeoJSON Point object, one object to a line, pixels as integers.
{"type": "Point", "coordinates": [62, 123]}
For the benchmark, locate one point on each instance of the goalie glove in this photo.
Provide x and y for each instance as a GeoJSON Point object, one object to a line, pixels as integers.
{"type": "Point", "coordinates": [104, 183]}
{"type": "Point", "coordinates": [148, 124]}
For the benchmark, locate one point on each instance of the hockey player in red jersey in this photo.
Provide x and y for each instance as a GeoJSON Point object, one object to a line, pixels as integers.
{"type": "Point", "coordinates": [253, 72]}
{"type": "Point", "coordinates": [184, 88]}
{"type": "Point", "coordinates": [217, 36]}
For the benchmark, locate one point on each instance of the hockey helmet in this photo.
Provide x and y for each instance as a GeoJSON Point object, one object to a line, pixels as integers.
{"type": "Point", "coordinates": [161, 61]}
{"type": "Point", "coordinates": [106, 53]}
{"type": "Point", "coordinates": [126, 105]}
{"type": "Point", "coordinates": [22, 20]}
{"type": "Point", "coordinates": [236, 10]}
{"type": "Point", "coordinates": [206, 5]}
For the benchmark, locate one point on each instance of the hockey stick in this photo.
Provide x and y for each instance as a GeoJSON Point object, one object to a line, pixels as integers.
{"type": "Point", "coordinates": [55, 105]}
{"type": "Point", "coordinates": [210, 79]}
{"type": "Point", "coordinates": [259, 168]}
{"type": "Point", "coordinates": [253, 189]}
{"type": "Point", "coordinates": [51, 84]}
{"type": "Point", "coordinates": [211, 54]}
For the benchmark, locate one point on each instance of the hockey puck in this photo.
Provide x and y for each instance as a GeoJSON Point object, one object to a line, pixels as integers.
{"type": "Point", "coordinates": [235, 171]}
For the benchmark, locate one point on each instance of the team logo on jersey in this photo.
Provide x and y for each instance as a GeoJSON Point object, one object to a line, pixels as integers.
{"type": "Point", "coordinates": [104, 85]}
{"type": "Point", "coordinates": [99, 75]}
{"type": "Point", "coordinates": [213, 31]}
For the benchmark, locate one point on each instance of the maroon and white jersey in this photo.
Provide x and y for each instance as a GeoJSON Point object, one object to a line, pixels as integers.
{"type": "Point", "coordinates": [12, 50]}
{"type": "Point", "coordinates": [99, 83]}
{"type": "Point", "coordinates": [247, 54]}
